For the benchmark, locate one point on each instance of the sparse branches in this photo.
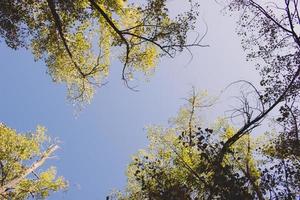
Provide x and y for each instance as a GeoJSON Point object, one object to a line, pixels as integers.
{"type": "Point", "coordinates": [270, 36]}
{"type": "Point", "coordinates": [282, 70]}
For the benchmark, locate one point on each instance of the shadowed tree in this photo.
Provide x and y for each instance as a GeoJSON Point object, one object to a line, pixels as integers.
{"type": "Point", "coordinates": [270, 37]}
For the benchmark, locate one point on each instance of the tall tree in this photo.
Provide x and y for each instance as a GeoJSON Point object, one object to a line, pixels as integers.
{"type": "Point", "coordinates": [171, 168]}
{"type": "Point", "coordinates": [21, 156]}
{"type": "Point", "coordinates": [180, 162]}
{"type": "Point", "coordinates": [270, 36]}
{"type": "Point", "coordinates": [232, 168]}
{"type": "Point", "coordinates": [78, 38]}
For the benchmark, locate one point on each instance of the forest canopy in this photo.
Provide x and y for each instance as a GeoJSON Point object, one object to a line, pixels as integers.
{"type": "Point", "coordinates": [223, 161]}
{"type": "Point", "coordinates": [190, 158]}
{"type": "Point", "coordinates": [79, 39]}
{"type": "Point", "coordinates": [182, 162]}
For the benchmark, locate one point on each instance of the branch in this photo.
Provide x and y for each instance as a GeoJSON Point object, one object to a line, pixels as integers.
{"type": "Point", "coordinates": [59, 26]}
{"type": "Point", "coordinates": [185, 164]}
{"type": "Point", "coordinates": [13, 183]}
{"type": "Point", "coordinates": [119, 32]}
{"type": "Point", "coordinates": [267, 15]}
{"type": "Point", "coordinates": [150, 40]}
{"type": "Point", "coordinates": [248, 125]}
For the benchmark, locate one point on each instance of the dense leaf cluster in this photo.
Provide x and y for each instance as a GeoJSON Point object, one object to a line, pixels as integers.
{"type": "Point", "coordinates": [20, 157]}
{"type": "Point", "coordinates": [185, 165]}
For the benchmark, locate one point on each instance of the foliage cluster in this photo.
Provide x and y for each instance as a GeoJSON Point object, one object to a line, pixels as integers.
{"type": "Point", "coordinates": [77, 39]}
{"type": "Point", "coordinates": [182, 162]}
{"type": "Point", "coordinates": [20, 157]}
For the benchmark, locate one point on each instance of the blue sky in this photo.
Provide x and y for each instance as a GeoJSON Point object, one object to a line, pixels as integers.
{"type": "Point", "coordinates": [97, 144]}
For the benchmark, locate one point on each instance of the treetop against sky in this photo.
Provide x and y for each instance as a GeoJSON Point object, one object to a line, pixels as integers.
{"type": "Point", "coordinates": [210, 149]}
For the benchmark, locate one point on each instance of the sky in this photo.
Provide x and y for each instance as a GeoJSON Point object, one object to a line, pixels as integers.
{"type": "Point", "coordinates": [97, 144]}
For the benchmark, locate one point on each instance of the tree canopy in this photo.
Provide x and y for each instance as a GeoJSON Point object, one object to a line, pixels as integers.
{"type": "Point", "coordinates": [78, 39]}
{"type": "Point", "coordinates": [190, 159]}
{"type": "Point", "coordinates": [21, 156]}
{"type": "Point", "coordinates": [270, 37]}
{"type": "Point", "coordinates": [181, 163]}
{"type": "Point", "coordinates": [223, 161]}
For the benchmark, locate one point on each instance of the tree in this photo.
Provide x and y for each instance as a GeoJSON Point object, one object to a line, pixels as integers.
{"type": "Point", "coordinates": [232, 163]}
{"type": "Point", "coordinates": [270, 37]}
{"type": "Point", "coordinates": [180, 162]}
{"type": "Point", "coordinates": [65, 33]}
{"type": "Point", "coordinates": [20, 157]}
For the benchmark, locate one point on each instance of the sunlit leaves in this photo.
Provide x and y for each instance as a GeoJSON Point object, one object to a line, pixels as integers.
{"type": "Point", "coordinates": [20, 156]}
{"type": "Point", "coordinates": [183, 163]}
{"type": "Point", "coordinates": [180, 162]}
{"type": "Point", "coordinates": [79, 39]}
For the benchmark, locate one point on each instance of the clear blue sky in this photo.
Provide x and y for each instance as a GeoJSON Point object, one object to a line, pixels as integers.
{"type": "Point", "coordinates": [96, 145]}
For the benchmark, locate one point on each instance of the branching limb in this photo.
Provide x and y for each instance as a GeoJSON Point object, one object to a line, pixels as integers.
{"type": "Point", "coordinates": [243, 130]}
{"type": "Point", "coordinates": [59, 27]}
{"type": "Point", "coordinates": [13, 183]}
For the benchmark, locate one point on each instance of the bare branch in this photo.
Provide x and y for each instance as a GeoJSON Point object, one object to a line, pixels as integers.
{"type": "Point", "coordinates": [243, 130]}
